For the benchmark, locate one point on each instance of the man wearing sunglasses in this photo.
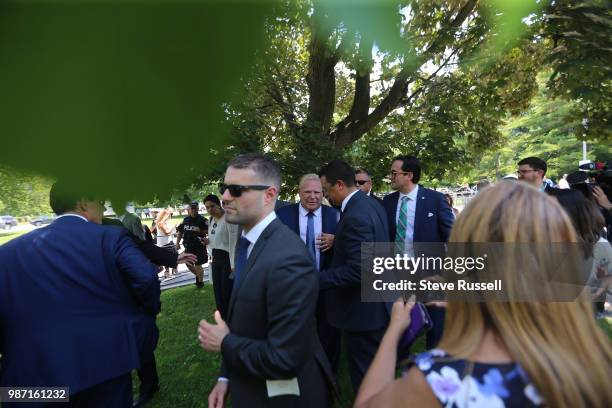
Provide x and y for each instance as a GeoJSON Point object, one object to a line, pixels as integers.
{"type": "Point", "coordinates": [363, 181]}
{"type": "Point", "coordinates": [271, 352]}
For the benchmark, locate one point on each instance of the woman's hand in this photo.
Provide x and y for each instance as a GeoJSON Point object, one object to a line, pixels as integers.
{"type": "Point", "coordinates": [400, 315]}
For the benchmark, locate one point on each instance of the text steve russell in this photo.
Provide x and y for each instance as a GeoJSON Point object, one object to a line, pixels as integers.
{"type": "Point", "coordinates": [424, 284]}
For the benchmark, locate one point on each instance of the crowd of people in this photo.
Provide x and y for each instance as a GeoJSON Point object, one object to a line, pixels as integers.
{"type": "Point", "coordinates": [78, 300]}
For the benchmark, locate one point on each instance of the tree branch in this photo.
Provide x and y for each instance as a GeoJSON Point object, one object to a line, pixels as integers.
{"type": "Point", "coordinates": [347, 135]}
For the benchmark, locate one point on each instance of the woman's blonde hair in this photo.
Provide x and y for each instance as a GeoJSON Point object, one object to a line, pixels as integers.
{"type": "Point", "coordinates": [163, 215]}
{"type": "Point", "coordinates": [559, 345]}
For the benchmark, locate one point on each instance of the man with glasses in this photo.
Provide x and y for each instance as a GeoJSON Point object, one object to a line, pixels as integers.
{"type": "Point", "coordinates": [78, 303]}
{"type": "Point", "coordinates": [316, 226]}
{"type": "Point", "coordinates": [193, 231]}
{"type": "Point", "coordinates": [532, 170]}
{"type": "Point", "coordinates": [270, 349]}
{"type": "Point", "coordinates": [417, 214]}
{"type": "Point", "coordinates": [363, 181]}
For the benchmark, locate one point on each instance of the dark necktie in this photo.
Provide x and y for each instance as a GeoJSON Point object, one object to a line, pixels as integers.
{"type": "Point", "coordinates": [310, 236]}
{"type": "Point", "coordinates": [241, 259]}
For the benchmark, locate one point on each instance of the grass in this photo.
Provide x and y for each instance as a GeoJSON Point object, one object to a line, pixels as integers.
{"type": "Point", "coordinates": [187, 373]}
{"type": "Point", "coordinates": [6, 237]}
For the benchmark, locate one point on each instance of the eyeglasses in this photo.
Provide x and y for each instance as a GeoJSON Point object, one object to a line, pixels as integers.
{"type": "Point", "coordinates": [236, 190]}
{"type": "Point", "coordinates": [214, 227]}
{"type": "Point", "coordinates": [361, 182]}
{"type": "Point", "coordinates": [525, 171]}
{"type": "Point", "coordinates": [395, 173]}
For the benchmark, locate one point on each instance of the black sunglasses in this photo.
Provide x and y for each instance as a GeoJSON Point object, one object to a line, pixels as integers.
{"type": "Point", "coordinates": [361, 182]}
{"type": "Point", "coordinates": [236, 190]}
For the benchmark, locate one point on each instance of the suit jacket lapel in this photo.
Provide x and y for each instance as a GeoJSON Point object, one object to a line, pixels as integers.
{"type": "Point", "coordinates": [295, 221]}
{"type": "Point", "coordinates": [391, 211]}
{"type": "Point", "coordinates": [257, 248]}
{"type": "Point", "coordinates": [419, 214]}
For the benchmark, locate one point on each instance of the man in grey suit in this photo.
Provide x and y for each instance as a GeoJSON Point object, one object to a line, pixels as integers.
{"type": "Point", "coordinates": [271, 353]}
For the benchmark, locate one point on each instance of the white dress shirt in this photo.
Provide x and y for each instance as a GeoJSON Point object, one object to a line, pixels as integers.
{"type": "Point", "coordinates": [255, 232]}
{"type": "Point", "coordinates": [318, 227]}
{"type": "Point", "coordinates": [346, 199]}
{"type": "Point", "coordinates": [410, 215]}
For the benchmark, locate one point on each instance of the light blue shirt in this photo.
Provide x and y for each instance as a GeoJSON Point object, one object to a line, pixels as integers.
{"type": "Point", "coordinates": [255, 232]}
{"type": "Point", "coordinates": [318, 227]}
{"type": "Point", "coordinates": [410, 215]}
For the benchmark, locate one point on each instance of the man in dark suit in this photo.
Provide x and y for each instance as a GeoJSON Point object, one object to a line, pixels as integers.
{"type": "Point", "coordinates": [417, 214]}
{"type": "Point", "coordinates": [362, 220]}
{"type": "Point", "coordinates": [316, 226]}
{"type": "Point", "coordinates": [147, 373]}
{"type": "Point", "coordinates": [77, 305]}
{"type": "Point", "coordinates": [363, 181]}
{"type": "Point", "coordinates": [271, 353]}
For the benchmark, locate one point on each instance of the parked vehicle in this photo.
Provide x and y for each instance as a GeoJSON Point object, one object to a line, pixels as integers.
{"type": "Point", "coordinates": [42, 220]}
{"type": "Point", "coordinates": [9, 220]}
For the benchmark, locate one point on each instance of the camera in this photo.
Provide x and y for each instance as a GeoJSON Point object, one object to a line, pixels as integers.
{"type": "Point", "coordinates": [590, 175]}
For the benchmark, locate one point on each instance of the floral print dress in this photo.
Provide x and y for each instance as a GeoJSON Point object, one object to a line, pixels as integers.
{"type": "Point", "coordinates": [459, 383]}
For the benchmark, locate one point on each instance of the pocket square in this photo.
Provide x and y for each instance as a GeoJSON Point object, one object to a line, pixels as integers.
{"type": "Point", "coordinates": [429, 214]}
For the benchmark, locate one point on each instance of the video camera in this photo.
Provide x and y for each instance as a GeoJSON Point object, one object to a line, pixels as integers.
{"type": "Point", "coordinates": [590, 175]}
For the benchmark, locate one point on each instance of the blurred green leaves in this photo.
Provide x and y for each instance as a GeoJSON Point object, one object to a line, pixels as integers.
{"type": "Point", "coordinates": [103, 92]}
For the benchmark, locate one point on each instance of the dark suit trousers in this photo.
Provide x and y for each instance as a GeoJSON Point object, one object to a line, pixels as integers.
{"type": "Point", "coordinates": [222, 284]}
{"type": "Point", "coordinates": [361, 348]}
{"type": "Point", "coordinates": [437, 315]}
{"type": "Point", "coordinates": [329, 336]}
{"type": "Point", "coordinates": [147, 373]}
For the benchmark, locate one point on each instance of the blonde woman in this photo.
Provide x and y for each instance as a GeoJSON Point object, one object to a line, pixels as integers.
{"type": "Point", "coordinates": [164, 234]}
{"type": "Point", "coordinates": [499, 354]}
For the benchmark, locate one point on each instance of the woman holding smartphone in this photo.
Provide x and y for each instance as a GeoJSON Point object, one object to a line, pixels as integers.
{"type": "Point", "coordinates": [496, 354]}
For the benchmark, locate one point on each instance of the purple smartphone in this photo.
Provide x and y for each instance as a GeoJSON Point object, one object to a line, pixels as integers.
{"type": "Point", "coordinates": [420, 323]}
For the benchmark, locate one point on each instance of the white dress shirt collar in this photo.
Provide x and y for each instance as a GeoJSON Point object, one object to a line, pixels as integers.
{"type": "Point", "coordinates": [255, 232]}
{"type": "Point", "coordinates": [346, 199]}
{"type": "Point", "coordinates": [304, 212]}
{"type": "Point", "coordinates": [72, 215]}
{"type": "Point", "coordinates": [411, 195]}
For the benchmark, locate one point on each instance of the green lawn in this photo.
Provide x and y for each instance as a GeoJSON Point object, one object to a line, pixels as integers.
{"type": "Point", "coordinates": [6, 237]}
{"type": "Point", "coordinates": [187, 373]}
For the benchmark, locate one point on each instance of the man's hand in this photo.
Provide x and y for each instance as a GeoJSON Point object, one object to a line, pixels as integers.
{"type": "Point", "coordinates": [216, 398]}
{"type": "Point", "coordinates": [601, 198]}
{"type": "Point", "coordinates": [325, 242]}
{"type": "Point", "coordinates": [211, 335]}
{"type": "Point", "coordinates": [187, 258]}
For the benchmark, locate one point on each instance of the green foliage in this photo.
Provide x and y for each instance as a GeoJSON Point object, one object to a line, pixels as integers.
{"type": "Point", "coordinates": [23, 194]}
{"type": "Point", "coordinates": [86, 85]}
{"type": "Point", "coordinates": [580, 56]}
{"type": "Point", "coordinates": [454, 98]}
{"type": "Point", "coordinates": [547, 129]}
